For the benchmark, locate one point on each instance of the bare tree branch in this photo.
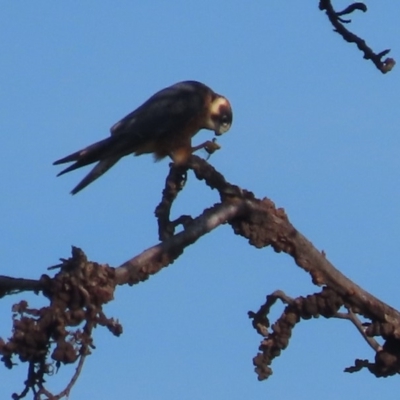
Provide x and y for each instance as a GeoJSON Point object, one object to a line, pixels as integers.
{"type": "Point", "coordinates": [62, 332]}
{"type": "Point", "coordinates": [10, 285]}
{"type": "Point", "coordinates": [357, 323]}
{"type": "Point", "coordinates": [152, 260]}
{"type": "Point", "coordinates": [337, 22]}
{"type": "Point", "coordinates": [80, 288]}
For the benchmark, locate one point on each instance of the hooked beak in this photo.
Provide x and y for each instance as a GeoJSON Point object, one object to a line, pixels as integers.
{"type": "Point", "coordinates": [217, 130]}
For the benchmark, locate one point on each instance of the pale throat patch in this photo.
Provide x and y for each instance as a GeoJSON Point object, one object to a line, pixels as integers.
{"type": "Point", "coordinates": [217, 103]}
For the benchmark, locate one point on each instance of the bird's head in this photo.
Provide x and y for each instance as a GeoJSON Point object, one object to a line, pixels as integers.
{"type": "Point", "coordinates": [220, 116]}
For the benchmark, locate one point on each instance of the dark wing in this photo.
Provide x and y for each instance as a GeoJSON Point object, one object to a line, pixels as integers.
{"type": "Point", "coordinates": [167, 111]}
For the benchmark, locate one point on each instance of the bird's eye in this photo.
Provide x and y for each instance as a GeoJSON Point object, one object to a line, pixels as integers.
{"type": "Point", "coordinates": [225, 120]}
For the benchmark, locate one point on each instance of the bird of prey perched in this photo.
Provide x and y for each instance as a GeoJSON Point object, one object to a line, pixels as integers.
{"type": "Point", "coordinates": [163, 125]}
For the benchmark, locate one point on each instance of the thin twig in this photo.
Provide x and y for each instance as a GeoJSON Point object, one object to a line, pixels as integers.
{"type": "Point", "coordinates": [350, 316]}
{"type": "Point", "coordinates": [75, 377]}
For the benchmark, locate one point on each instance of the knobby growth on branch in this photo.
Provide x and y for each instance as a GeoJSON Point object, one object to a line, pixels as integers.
{"type": "Point", "coordinates": [338, 22]}
{"type": "Point", "coordinates": [61, 333]}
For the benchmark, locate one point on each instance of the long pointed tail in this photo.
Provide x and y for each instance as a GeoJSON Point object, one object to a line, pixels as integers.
{"type": "Point", "coordinates": [106, 151]}
{"type": "Point", "coordinates": [100, 168]}
{"type": "Point", "coordinates": [88, 155]}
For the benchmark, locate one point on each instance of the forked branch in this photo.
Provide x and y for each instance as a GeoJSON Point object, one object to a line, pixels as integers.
{"type": "Point", "coordinates": [338, 22]}
{"type": "Point", "coordinates": [81, 287]}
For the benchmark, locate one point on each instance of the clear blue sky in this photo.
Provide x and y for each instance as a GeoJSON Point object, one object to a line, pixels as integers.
{"type": "Point", "coordinates": [315, 129]}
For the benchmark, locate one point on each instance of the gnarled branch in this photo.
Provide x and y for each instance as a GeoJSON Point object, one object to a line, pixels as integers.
{"type": "Point", "coordinates": [338, 22]}
{"type": "Point", "coordinates": [80, 288]}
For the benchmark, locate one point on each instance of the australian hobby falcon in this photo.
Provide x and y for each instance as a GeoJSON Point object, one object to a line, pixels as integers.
{"type": "Point", "coordinates": [163, 125]}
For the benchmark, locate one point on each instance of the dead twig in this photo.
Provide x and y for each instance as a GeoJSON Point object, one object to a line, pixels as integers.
{"type": "Point", "coordinates": [338, 22]}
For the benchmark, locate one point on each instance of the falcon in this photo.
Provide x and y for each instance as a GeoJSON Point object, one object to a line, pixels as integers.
{"type": "Point", "coordinates": [164, 125]}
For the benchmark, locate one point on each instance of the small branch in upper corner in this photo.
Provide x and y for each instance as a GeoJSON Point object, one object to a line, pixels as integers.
{"type": "Point", "coordinates": [337, 21]}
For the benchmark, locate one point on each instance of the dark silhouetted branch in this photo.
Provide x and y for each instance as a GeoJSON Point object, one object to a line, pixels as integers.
{"type": "Point", "coordinates": [10, 285]}
{"type": "Point", "coordinates": [337, 21]}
